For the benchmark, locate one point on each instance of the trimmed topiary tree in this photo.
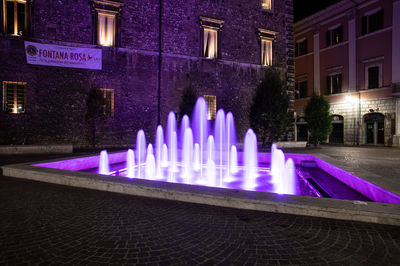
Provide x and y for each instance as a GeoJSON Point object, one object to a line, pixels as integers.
{"type": "Point", "coordinates": [318, 118]}
{"type": "Point", "coordinates": [269, 116]}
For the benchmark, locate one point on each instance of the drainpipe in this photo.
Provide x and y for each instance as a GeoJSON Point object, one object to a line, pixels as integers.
{"type": "Point", "coordinates": [159, 64]}
{"type": "Point", "coordinates": [356, 3]}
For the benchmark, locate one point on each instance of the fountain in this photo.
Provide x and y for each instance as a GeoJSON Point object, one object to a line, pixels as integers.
{"type": "Point", "coordinates": [198, 157]}
{"type": "Point", "coordinates": [140, 150]}
{"type": "Point", "coordinates": [104, 167]}
{"type": "Point", "coordinates": [130, 164]}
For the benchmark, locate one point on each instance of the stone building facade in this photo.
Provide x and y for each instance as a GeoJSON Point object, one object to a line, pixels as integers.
{"type": "Point", "coordinates": [151, 52]}
{"type": "Point", "coordinates": [350, 53]}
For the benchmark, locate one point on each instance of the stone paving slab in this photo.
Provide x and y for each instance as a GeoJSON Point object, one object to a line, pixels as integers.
{"type": "Point", "coordinates": [378, 165]}
{"type": "Point", "coordinates": [52, 224]}
{"type": "Point", "coordinates": [292, 204]}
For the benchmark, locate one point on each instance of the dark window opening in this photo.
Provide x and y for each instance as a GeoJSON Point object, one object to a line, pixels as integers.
{"type": "Point", "coordinates": [334, 84]}
{"type": "Point", "coordinates": [301, 89]}
{"type": "Point", "coordinates": [334, 36]}
{"type": "Point", "coordinates": [372, 22]}
{"type": "Point", "coordinates": [373, 77]}
{"type": "Point", "coordinates": [301, 48]}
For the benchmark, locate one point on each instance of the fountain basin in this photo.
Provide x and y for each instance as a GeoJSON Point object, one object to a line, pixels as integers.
{"type": "Point", "coordinates": [66, 172]}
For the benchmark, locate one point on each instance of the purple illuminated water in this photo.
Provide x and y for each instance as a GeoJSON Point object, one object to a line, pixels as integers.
{"type": "Point", "coordinates": [202, 157]}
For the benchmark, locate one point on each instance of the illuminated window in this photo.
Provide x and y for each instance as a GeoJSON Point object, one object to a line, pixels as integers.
{"type": "Point", "coordinates": [334, 36]}
{"type": "Point", "coordinates": [266, 39]}
{"type": "Point", "coordinates": [211, 29]}
{"type": "Point", "coordinates": [108, 102]}
{"type": "Point", "coordinates": [211, 105]}
{"type": "Point", "coordinates": [15, 17]}
{"type": "Point", "coordinates": [106, 17]}
{"type": "Point", "coordinates": [106, 29]}
{"type": "Point", "coordinates": [14, 97]}
{"type": "Point", "coordinates": [266, 4]}
{"type": "Point", "coordinates": [266, 52]}
{"type": "Point", "coordinates": [210, 47]}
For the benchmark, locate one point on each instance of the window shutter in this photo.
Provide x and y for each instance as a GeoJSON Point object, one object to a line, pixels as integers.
{"type": "Point", "coordinates": [305, 46]}
{"type": "Point", "coordinates": [328, 85]}
{"type": "Point", "coordinates": [328, 38]}
{"type": "Point", "coordinates": [10, 17]}
{"type": "Point", "coordinates": [21, 97]}
{"type": "Point", "coordinates": [9, 101]}
{"type": "Point", "coordinates": [380, 19]}
{"type": "Point", "coordinates": [340, 33]}
{"type": "Point", "coordinates": [339, 83]}
{"type": "Point", "coordinates": [21, 19]}
{"type": "Point", "coordinates": [364, 25]}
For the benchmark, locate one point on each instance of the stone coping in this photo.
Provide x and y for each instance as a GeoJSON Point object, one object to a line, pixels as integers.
{"type": "Point", "coordinates": [36, 149]}
{"type": "Point", "coordinates": [373, 212]}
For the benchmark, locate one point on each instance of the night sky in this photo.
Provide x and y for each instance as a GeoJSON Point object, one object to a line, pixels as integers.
{"type": "Point", "coordinates": [304, 8]}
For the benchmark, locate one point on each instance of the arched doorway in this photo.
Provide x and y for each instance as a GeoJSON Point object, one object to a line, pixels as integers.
{"type": "Point", "coordinates": [336, 136]}
{"type": "Point", "coordinates": [374, 128]}
{"type": "Point", "coordinates": [302, 129]}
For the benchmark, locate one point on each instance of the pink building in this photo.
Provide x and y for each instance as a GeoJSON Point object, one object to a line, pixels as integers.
{"type": "Point", "coordinates": [350, 52]}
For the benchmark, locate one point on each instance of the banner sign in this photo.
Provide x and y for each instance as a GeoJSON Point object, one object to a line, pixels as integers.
{"type": "Point", "coordinates": [62, 56]}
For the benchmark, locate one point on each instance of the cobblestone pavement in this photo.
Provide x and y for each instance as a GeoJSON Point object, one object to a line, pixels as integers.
{"type": "Point", "coordinates": [51, 224]}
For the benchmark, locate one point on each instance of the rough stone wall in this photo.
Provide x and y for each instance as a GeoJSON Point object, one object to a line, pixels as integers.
{"type": "Point", "coordinates": [56, 97]}
{"type": "Point", "coordinates": [354, 126]}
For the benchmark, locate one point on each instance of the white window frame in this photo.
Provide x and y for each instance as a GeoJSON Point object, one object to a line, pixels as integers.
{"type": "Point", "coordinates": [330, 74]}
{"type": "Point", "coordinates": [298, 42]}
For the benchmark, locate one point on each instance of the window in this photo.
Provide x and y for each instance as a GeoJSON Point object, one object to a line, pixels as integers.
{"type": "Point", "coordinates": [266, 4]}
{"type": "Point", "coordinates": [15, 17]}
{"type": "Point", "coordinates": [109, 102]}
{"type": "Point", "coordinates": [210, 46]}
{"type": "Point", "coordinates": [301, 89]}
{"type": "Point", "coordinates": [105, 29]}
{"type": "Point", "coordinates": [211, 32]}
{"type": "Point", "coordinates": [373, 77]}
{"type": "Point", "coordinates": [14, 97]}
{"type": "Point", "coordinates": [301, 48]}
{"type": "Point", "coordinates": [373, 22]}
{"type": "Point", "coordinates": [266, 52]}
{"type": "Point", "coordinates": [334, 83]}
{"type": "Point", "coordinates": [266, 37]}
{"type": "Point", "coordinates": [211, 105]}
{"type": "Point", "coordinates": [334, 36]}
{"type": "Point", "coordinates": [105, 18]}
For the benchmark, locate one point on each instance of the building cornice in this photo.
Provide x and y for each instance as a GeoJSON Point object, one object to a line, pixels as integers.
{"type": "Point", "coordinates": [337, 10]}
